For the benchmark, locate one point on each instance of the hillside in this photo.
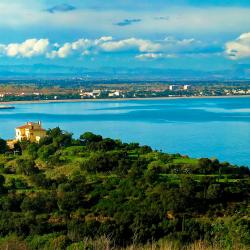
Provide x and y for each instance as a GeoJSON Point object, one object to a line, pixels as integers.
{"type": "Point", "coordinates": [99, 193]}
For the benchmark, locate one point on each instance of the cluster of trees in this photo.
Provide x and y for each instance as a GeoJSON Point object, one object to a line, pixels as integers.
{"type": "Point", "coordinates": [28, 97]}
{"type": "Point", "coordinates": [127, 192]}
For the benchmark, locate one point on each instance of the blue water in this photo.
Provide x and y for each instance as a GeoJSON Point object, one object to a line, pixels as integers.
{"type": "Point", "coordinates": [197, 127]}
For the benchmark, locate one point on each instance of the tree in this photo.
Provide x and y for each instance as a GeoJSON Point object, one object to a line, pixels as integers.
{"type": "Point", "coordinates": [45, 151]}
{"type": "Point", "coordinates": [40, 202]}
{"type": "Point", "coordinates": [26, 166]}
{"type": "Point", "coordinates": [2, 180]}
{"type": "Point", "coordinates": [63, 140]}
{"type": "Point", "coordinates": [3, 146]}
{"type": "Point", "coordinates": [204, 164]}
{"type": "Point", "coordinates": [89, 137]}
{"type": "Point", "coordinates": [188, 187]}
{"type": "Point", "coordinates": [103, 162]}
{"type": "Point", "coordinates": [31, 150]}
{"type": "Point", "coordinates": [54, 132]}
{"type": "Point", "coordinates": [104, 145]}
{"type": "Point", "coordinates": [214, 191]}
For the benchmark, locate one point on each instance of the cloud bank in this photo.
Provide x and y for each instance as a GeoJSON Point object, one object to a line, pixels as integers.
{"type": "Point", "coordinates": [240, 48]}
{"type": "Point", "coordinates": [140, 49]}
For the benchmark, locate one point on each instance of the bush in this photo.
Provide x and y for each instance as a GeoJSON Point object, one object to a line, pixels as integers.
{"type": "Point", "coordinates": [26, 167]}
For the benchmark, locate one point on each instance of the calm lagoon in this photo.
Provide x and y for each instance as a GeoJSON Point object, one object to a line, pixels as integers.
{"type": "Point", "coordinates": [206, 127]}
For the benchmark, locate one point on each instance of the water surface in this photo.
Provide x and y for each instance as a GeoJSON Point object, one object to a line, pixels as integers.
{"type": "Point", "coordinates": [209, 127]}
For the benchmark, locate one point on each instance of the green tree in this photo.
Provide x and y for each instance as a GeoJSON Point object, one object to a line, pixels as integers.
{"type": "Point", "coordinates": [26, 167]}
{"type": "Point", "coordinates": [89, 137]}
{"type": "Point", "coordinates": [2, 181]}
{"type": "Point", "coordinates": [31, 150]}
{"type": "Point", "coordinates": [214, 191]}
{"type": "Point", "coordinates": [3, 146]}
{"type": "Point", "coordinates": [45, 151]}
{"type": "Point", "coordinates": [63, 140]}
{"type": "Point", "coordinates": [204, 165]}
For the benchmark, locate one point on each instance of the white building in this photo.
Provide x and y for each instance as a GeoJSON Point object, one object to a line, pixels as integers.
{"type": "Point", "coordinates": [30, 132]}
{"type": "Point", "coordinates": [186, 87]}
{"type": "Point", "coordinates": [174, 87]}
{"type": "Point", "coordinates": [114, 94]}
{"type": "Point", "coordinates": [96, 92]}
{"type": "Point", "coordinates": [93, 94]}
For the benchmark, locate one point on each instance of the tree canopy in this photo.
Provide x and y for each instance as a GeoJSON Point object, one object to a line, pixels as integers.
{"type": "Point", "coordinates": [64, 190]}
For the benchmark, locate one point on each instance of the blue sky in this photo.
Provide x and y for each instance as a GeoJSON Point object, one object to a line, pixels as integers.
{"type": "Point", "coordinates": [193, 34]}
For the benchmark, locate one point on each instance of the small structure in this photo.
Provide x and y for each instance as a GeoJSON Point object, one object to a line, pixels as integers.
{"type": "Point", "coordinates": [114, 93]}
{"type": "Point", "coordinates": [186, 87]}
{"type": "Point", "coordinates": [31, 131]}
{"type": "Point", "coordinates": [87, 94]}
{"type": "Point", "coordinates": [96, 93]}
{"type": "Point", "coordinates": [175, 87]}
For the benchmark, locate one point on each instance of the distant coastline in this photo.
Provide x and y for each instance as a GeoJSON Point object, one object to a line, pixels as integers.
{"type": "Point", "coordinates": [123, 99]}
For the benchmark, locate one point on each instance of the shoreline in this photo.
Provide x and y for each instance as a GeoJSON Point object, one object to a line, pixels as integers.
{"type": "Point", "coordinates": [121, 99]}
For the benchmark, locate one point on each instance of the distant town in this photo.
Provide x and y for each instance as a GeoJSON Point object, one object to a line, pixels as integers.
{"type": "Point", "coordinates": [56, 90]}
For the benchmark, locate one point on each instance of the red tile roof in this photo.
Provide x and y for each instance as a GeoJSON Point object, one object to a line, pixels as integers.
{"type": "Point", "coordinates": [24, 126]}
{"type": "Point", "coordinates": [29, 126]}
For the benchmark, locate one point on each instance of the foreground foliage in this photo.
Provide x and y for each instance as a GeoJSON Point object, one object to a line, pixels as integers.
{"type": "Point", "coordinates": [57, 193]}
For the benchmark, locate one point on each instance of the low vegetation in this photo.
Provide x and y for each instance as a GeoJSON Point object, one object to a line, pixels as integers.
{"type": "Point", "coordinates": [99, 193]}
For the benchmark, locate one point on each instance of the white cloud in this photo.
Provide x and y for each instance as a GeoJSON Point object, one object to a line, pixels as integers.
{"type": "Point", "coordinates": [240, 48]}
{"type": "Point", "coordinates": [103, 44]}
{"type": "Point", "coordinates": [144, 48]}
{"type": "Point", "coordinates": [69, 48]}
{"type": "Point", "coordinates": [62, 52]}
{"type": "Point", "coordinates": [81, 46]}
{"type": "Point", "coordinates": [147, 48]}
{"type": "Point", "coordinates": [103, 39]}
{"type": "Point", "coordinates": [130, 44]}
{"type": "Point", "coordinates": [29, 48]}
{"type": "Point", "coordinates": [171, 44]}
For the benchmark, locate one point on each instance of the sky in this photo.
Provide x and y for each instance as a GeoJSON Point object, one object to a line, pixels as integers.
{"type": "Point", "coordinates": [180, 34]}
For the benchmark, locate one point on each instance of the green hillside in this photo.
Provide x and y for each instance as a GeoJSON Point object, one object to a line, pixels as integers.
{"type": "Point", "coordinates": [99, 193]}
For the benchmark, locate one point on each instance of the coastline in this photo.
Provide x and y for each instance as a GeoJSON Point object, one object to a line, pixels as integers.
{"type": "Point", "coordinates": [121, 99]}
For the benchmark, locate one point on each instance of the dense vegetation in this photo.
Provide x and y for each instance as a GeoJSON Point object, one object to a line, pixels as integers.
{"type": "Point", "coordinates": [65, 193]}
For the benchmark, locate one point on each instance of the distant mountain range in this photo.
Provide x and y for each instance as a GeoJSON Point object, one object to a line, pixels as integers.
{"type": "Point", "coordinates": [240, 71]}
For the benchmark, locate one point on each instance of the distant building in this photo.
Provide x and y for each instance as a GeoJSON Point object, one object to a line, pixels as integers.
{"type": "Point", "coordinates": [88, 94]}
{"type": "Point", "coordinates": [186, 87]}
{"type": "Point", "coordinates": [114, 94]}
{"type": "Point", "coordinates": [31, 131]}
{"type": "Point", "coordinates": [96, 92]}
{"type": "Point", "coordinates": [174, 87]}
